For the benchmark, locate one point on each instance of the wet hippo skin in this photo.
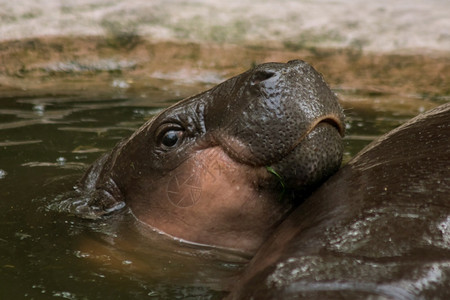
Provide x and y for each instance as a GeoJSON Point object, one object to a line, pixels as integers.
{"type": "Point", "coordinates": [377, 229]}
{"type": "Point", "coordinates": [223, 167]}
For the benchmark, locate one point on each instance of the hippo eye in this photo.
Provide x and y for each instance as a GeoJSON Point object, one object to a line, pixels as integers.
{"type": "Point", "coordinates": [171, 137]}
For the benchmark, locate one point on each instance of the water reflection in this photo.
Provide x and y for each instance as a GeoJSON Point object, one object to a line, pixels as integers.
{"type": "Point", "coordinates": [45, 146]}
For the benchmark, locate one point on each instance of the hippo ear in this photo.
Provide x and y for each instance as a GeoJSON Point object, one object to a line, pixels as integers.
{"type": "Point", "coordinates": [97, 193]}
{"type": "Point", "coordinates": [91, 205]}
{"type": "Point", "coordinates": [97, 204]}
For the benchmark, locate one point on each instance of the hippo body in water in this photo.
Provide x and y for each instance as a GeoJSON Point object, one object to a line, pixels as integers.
{"type": "Point", "coordinates": [224, 167]}
{"type": "Point", "coordinates": [378, 229]}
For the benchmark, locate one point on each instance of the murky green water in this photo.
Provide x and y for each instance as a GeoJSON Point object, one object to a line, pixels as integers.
{"type": "Point", "coordinates": [45, 145]}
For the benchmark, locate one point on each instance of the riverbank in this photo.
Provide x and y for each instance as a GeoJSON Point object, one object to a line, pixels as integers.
{"type": "Point", "coordinates": [388, 46]}
{"type": "Point", "coordinates": [58, 64]}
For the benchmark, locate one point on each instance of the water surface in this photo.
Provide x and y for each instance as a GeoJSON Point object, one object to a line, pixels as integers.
{"type": "Point", "coordinates": [46, 143]}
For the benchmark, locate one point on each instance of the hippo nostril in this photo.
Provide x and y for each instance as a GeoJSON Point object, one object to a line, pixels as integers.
{"type": "Point", "coordinates": [262, 75]}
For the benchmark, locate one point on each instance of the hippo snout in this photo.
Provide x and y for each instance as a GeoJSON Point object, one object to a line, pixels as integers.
{"type": "Point", "coordinates": [289, 119]}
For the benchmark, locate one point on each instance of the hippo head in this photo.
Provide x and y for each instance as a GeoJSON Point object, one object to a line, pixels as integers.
{"type": "Point", "coordinates": [223, 167]}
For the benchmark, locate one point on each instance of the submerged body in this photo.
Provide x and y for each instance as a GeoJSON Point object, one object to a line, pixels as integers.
{"type": "Point", "coordinates": [380, 227]}
{"type": "Point", "coordinates": [224, 167]}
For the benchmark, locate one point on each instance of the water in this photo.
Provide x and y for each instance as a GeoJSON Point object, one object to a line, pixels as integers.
{"type": "Point", "coordinates": [46, 143]}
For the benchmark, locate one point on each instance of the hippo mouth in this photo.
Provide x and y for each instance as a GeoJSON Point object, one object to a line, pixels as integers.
{"type": "Point", "coordinates": [332, 120]}
{"type": "Point", "coordinates": [328, 120]}
{"type": "Point", "coordinates": [239, 151]}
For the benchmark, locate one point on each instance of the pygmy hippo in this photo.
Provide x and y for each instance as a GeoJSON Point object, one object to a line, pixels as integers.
{"type": "Point", "coordinates": [224, 167]}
